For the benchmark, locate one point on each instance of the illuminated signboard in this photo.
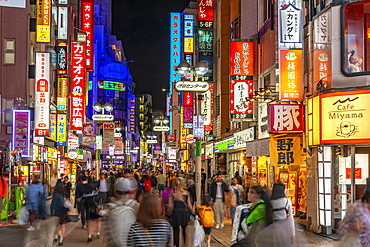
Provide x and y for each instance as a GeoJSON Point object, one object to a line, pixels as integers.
{"type": "Point", "coordinates": [99, 142]}
{"type": "Point", "coordinates": [62, 94]}
{"type": "Point", "coordinates": [53, 123]}
{"type": "Point", "coordinates": [21, 132]}
{"type": "Point", "coordinates": [285, 118]}
{"type": "Point", "coordinates": [188, 114]}
{"type": "Point", "coordinates": [88, 28]}
{"type": "Point", "coordinates": [321, 70]}
{"type": "Point", "coordinates": [241, 59]}
{"type": "Point", "coordinates": [207, 108]}
{"type": "Point", "coordinates": [62, 58]}
{"type": "Point", "coordinates": [205, 13]}
{"type": "Point", "coordinates": [77, 86]}
{"type": "Point", "coordinates": [132, 114]}
{"type": "Point", "coordinates": [112, 85]}
{"type": "Point", "coordinates": [189, 45]}
{"type": "Point", "coordinates": [42, 99]}
{"type": "Point", "coordinates": [43, 21]}
{"type": "Point", "coordinates": [62, 23]}
{"type": "Point", "coordinates": [291, 75]}
{"type": "Point", "coordinates": [188, 26]}
{"type": "Point", "coordinates": [205, 41]}
{"type": "Point", "coordinates": [239, 91]}
{"type": "Point", "coordinates": [61, 129]}
{"type": "Point", "coordinates": [290, 22]}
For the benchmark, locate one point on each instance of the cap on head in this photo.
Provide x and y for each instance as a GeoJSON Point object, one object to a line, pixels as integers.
{"type": "Point", "coordinates": [122, 184]}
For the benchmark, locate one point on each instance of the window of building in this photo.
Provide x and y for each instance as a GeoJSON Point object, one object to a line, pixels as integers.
{"type": "Point", "coordinates": [264, 11]}
{"type": "Point", "coordinates": [7, 110]}
{"type": "Point", "coordinates": [9, 51]}
{"type": "Point", "coordinates": [235, 30]}
{"type": "Point", "coordinates": [32, 54]}
{"type": "Point", "coordinates": [355, 38]}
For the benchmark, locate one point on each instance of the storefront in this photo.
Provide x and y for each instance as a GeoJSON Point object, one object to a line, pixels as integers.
{"type": "Point", "coordinates": [117, 161]}
{"type": "Point", "coordinates": [221, 150]}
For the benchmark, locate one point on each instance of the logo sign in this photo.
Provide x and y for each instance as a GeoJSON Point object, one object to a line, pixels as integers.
{"type": "Point", "coordinates": [188, 125]}
{"type": "Point", "coordinates": [132, 114]}
{"type": "Point", "coordinates": [113, 85]}
{"type": "Point", "coordinates": [188, 26]}
{"type": "Point", "coordinates": [102, 117]}
{"type": "Point", "coordinates": [198, 126]}
{"type": "Point", "coordinates": [62, 94]}
{"type": "Point", "coordinates": [61, 129]}
{"type": "Point", "coordinates": [53, 123]}
{"type": "Point", "coordinates": [77, 86]}
{"type": "Point", "coordinates": [286, 118]}
{"type": "Point", "coordinates": [344, 118]}
{"type": "Point", "coordinates": [62, 23]}
{"type": "Point", "coordinates": [88, 28]}
{"type": "Point", "coordinates": [43, 21]}
{"type": "Point", "coordinates": [190, 139]}
{"type": "Point", "coordinates": [241, 60]}
{"type": "Point", "coordinates": [108, 135]}
{"type": "Point", "coordinates": [239, 91]}
{"type": "Point", "coordinates": [285, 151]}
{"type": "Point", "coordinates": [88, 132]}
{"type": "Point", "coordinates": [321, 70]}
{"type": "Point", "coordinates": [290, 21]}
{"type": "Point", "coordinates": [291, 83]}
{"type": "Point", "coordinates": [207, 108]}
{"type": "Point", "coordinates": [189, 45]}
{"type": "Point", "coordinates": [171, 138]}
{"type": "Point", "coordinates": [224, 145]}
{"type": "Point", "coordinates": [21, 132]}
{"type": "Point", "coordinates": [241, 137]}
{"type": "Point", "coordinates": [188, 114]}
{"type": "Point", "coordinates": [73, 143]}
{"type": "Point", "coordinates": [192, 86]}
{"type": "Point", "coordinates": [171, 153]}
{"type": "Point", "coordinates": [205, 13]}
{"type": "Point", "coordinates": [42, 100]}
{"type": "Point", "coordinates": [14, 3]}
{"type": "Point", "coordinates": [161, 128]}
{"type": "Point", "coordinates": [117, 135]}
{"type": "Point", "coordinates": [62, 58]}
{"type": "Point", "coordinates": [151, 141]}
{"type": "Point", "coordinates": [98, 142]}
{"type": "Point", "coordinates": [205, 41]}
{"type": "Point", "coordinates": [72, 154]}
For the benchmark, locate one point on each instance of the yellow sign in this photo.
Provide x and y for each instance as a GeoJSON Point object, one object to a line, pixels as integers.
{"type": "Point", "coordinates": [183, 131]}
{"type": "Point", "coordinates": [344, 117]}
{"type": "Point", "coordinates": [52, 153]}
{"type": "Point", "coordinates": [189, 45]}
{"type": "Point", "coordinates": [285, 150]}
{"type": "Point", "coordinates": [43, 21]}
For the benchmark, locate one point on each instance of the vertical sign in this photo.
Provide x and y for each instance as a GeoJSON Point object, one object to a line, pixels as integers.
{"type": "Point", "coordinates": [198, 126]}
{"type": "Point", "coordinates": [108, 135]}
{"type": "Point", "coordinates": [207, 57]}
{"type": "Point", "coordinates": [207, 108]}
{"type": "Point", "coordinates": [62, 23]}
{"type": "Point", "coordinates": [321, 70]}
{"type": "Point", "coordinates": [189, 45]}
{"type": "Point", "coordinates": [188, 114]}
{"type": "Point", "coordinates": [205, 13]}
{"type": "Point", "coordinates": [188, 98]}
{"type": "Point", "coordinates": [285, 118]}
{"type": "Point", "coordinates": [62, 58]}
{"type": "Point", "coordinates": [77, 86]}
{"type": "Point", "coordinates": [241, 60]}
{"type": "Point", "coordinates": [21, 132]}
{"type": "Point", "coordinates": [42, 99]}
{"type": "Point", "coordinates": [322, 28]}
{"type": "Point", "coordinates": [291, 74]}
{"type": "Point", "coordinates": [183, 131]}
{"type": "Point", "coordinates": [88, 133]}
{"type": "Point", "coordinates": [132, 114]}
{"type": "Point", "coordinates": [53, 123]}
{"type": "Point", "coordinates": [239, 91]}
{"type": "Point", "coordinates": [62, 94]}
{"type": "Point", "coordinates": [290, 24]}
{"type": "Point", "coordinates": [98, 142]}
{"type": "Point", "coordinates": [62, 129]}
{"type": "Point", "coordinates": [205, 41]}
{"type": "Point", "coordinates": [88, 28]}
{"type": "Point", "coordinates": [118, 145]}
{"type": "Point", "coordinates": [188, 26]}
{"type": "Point", "coordinates": [43, 21]}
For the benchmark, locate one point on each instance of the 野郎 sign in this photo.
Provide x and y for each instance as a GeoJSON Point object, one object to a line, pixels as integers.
{"type": "Point", "coordinates": [285, 150]}
{"type": "Point", "coordinates": [291, 75]}
{"type": "Point", "coordinates": [286, 118]}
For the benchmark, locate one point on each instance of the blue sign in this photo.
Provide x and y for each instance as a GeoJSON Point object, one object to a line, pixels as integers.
{"type": "Point", "coordinates": [188, 28]}
{"type": "Point", "coordinates": [188, 125]}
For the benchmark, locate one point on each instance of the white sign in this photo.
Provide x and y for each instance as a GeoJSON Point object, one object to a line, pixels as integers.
{"type": "Point", "coordinates": [192, 86]}
{"type": "Point", "coordinates": [62, 23]}
{"type": "Point", "coordinates": [42, 99]}
{"type": "Point", "coordinates": [151, 141]}
{"type": "Point", "coordinates": [241, 137]}
{"type": "Point", "coordinates": [322, 28]}
{"type": "Point", "coordinates": [101, 117]}
{"type": "Point", "coordinates": [13, 3]}
{"type": "Point", "coordinates": [171, 153]}
{"type": "Point", "coordinates": [161, 128]}
{"type": "Point", "coordinates": [73, 143]}
{"type": "Point", "coordinates": [63, 2]}
{"type": "Point", "coordinates": [290, 23]}
{"type": "Point", "coordinates": [198, 128]}
{"type": "Point", "coordinates": [241, 92]}
{"type": "Point", "coordinates": [117, 135]}
{"type": "Point", "coordinates": [262, 121]}
{"type": "Point", "coordinates": [206, 109]}
{"type": "Point", "coordinates": [188, 125]}
{"type": "Point", "coordinates": [108, 135]}
{"type": "Point", "coordinates": [72, 155]}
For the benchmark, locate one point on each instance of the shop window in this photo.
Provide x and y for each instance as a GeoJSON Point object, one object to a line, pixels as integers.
{"type": "Point", "coordinates": [324, 172]}
{"type": "Point", "coordinates": [355, 38]}
{"type": "Point", "coordinates": [9, 51]}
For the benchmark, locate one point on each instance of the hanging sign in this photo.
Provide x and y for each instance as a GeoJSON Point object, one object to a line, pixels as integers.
{"type": "Point", "coordinates": [321, 71]}
{"type": "Point", "coordinates": [285, 118]}
{"type": "Point", "coordinates": [192, 86]}
{"type": "Point", "coordinates": [241, 60]}
{"type": "Point", "coordinates": [188, 26]}
{"type": "Point", "coordinates": [98, 142]}
{"type": "Point", "coordinates": [188, 114]}
{"type": "Point", "coordinates": [62, 94]}
{"type": "Point", "coordinates": [285, 151]}
{"type": "Point", "coordinates": [108, 135]}
{"type": "Point", "coordinates": [291, 75]}
{"type": "Point", "coordinates": [290, 27]}
{"type": "Point", "coordinates": [42, 99]}
{"type": "Point", "coordinates": [88, 133]}
{"type": "Point", "coordinates": [61, 129]}
{"type": "Point", "coordinates": [21, 132]}
{"type": "Point", "coordinates": [207, 108]}
{"type": "Point", "coordinates": [43, 21]}
{"type": "Point", "coordinates": [198, 126]}
{"type": "Point", "coordinates": [118, 146]}
{"type": "Point", "coordinates": [62, 23]}
{"type": "Point", "coordinates": [205, 13]}
{"type": "Point", "coordinates": [62, 58]}
{"type": "Point", "coordinates": [88, 28]}
{"type": "Point", "coordinates": [205, 41]}
{"type": "Point", "coordinates": [189, 45]}
{"type": "Point", "coordinates": [239, 92]}
{"type": "Point", "coordinates": [53, 123]}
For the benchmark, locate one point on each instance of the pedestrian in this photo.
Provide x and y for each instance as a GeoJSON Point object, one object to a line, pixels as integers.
{"type": "Point", "coordinates": [34, 191]}
{"type": "Point", "coordinates": [150, 226]}
{"type": "Point", "coordinates": [237, 190]}
{"type": "Point", "coordinates": [3, 190]}
{"type": "Point", "coordinates": [111, 179]}
{"type": "Point", "coordinates": [166, 201]}
{"type": "Point", "coordinates": [146, 182]}
{"type": "Point", "coordinates": [161, 182]}
{"type": "Point", "coordinates": [92, 216]}
{"type": "Point", "coordinates": [57, 209]}
{"type": "Point", "coordinates": [67, 188]}
{"type": "Point", "coordinates": [218, 189]}
{"type": "Point", "coordinates": [239, 179]}
{"type": "Point", "coordinates": [181, 208]}
{"type": "Point", "coordinates": [191, 189]}
{"type": "Point", "coordinates": [53, 181]}
{"type": "Point", "coordinates": [154, 182]}
{"type": "Point", "coordinates": [203, 182]}
{"type": "Point", "coordinates": [92, 178]}
{"type": "Point", "coordinates": [77, 202]}
{"type": "Point", "coordinates": [42, 213]}
{"type": "Point", "coordinates": [102, 185]}
{"type": "Point", "coordinates": [205, 215]}
{"type": "Point", "coordinates": [139, 192]}
{"type": "Point", "coordinates": [80, 191]}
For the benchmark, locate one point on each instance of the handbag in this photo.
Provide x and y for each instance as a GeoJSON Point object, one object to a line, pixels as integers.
{"type": "Point", "coordinates": [67, 203]}
{"type": "Point", "coordinates": [150, 238]}
{"type": "Point", "coordinates": [233, 200]}
{"type": "Point", "coordinates": [350, 239]}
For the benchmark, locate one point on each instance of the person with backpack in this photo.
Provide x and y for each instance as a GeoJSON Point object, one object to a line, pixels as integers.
{"type": "Point", "coordinates": [154, 182]}
{"type": "Point", "coordinates": [3, 191]}
{"type": "Point", "coordinates": [237, 190]}
{"type": "Point", "coordinates": [150, 229]}
{"type": "Point", "coordinates": [207, 218]}
{"type": "Point", "coordinates": [146, 182]}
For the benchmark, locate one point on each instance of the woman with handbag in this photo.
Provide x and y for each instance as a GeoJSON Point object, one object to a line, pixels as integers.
{"type": "Point", "coordinates": [237, 192]}
{"type": "Point", "coordinates": [57, 209]}
{"type": "Point", "coordinates": [150, 226]}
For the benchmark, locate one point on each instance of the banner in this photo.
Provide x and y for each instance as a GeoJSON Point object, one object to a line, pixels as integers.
{"type": "Point", "coordinates": [42, 98]}
{"type": "Point", "coordinates": [21, 132]}
{"type": "Point", "coordinates": [291, 75]}
{"type": "Point", "coordinates": [62, 129]}
{"type": "Point", "coordinates": [108, 135]}
{"type": "Point", "coordinates": [62, 94]}
{"type": "Point", "coordinates": [285, 151]}
{"type": "Point", "coordinates": [43, 21]}
{"type": "Point", "coordinates": [88, 28]}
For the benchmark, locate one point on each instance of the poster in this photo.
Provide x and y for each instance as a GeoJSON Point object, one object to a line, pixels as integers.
{"type": "Point", "coordinates": [88, 133]}
{"type": "Point", "coordinates": [21, 132]}
{"type": "Point", "coordinates": [42, 98]}
{"type": "Point", "coordinates": [108, 135]}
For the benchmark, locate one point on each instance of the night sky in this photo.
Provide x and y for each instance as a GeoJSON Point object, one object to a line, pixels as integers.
{"type": "Point", "coordinates": [144, 28]}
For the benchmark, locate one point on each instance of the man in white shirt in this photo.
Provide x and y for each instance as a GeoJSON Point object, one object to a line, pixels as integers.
{"type": "Point", "coordinates": [102, 185]}
{"type": "Point", "coordinates": [218, 189]}
{"type": "Point", "coordinates": [238, 190]}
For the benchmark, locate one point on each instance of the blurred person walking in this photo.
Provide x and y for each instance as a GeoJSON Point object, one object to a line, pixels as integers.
{"type": "Point", "coordinates": [80, 191]}
{"type": "Point", "coordinates": [146, 182]}
{"type": "Point", "coordinates": [161, 183]}
{"type": "Point", "coordinates": [154, 182]}
{"type": "Point", "coordinates": [57, 209]}
{"type": "Point", "coordinates": [111, 179]}
{"type": "Point", "coordinates": [3, 190]}
{"type": "Point", "coordinates": [67, 188]}
{"type": "Point", "coordinates": [203, 182]}
{"type": "Point", "coordinates": [33, 194]}
{"type": "Point", "coordinates": [237, 190]}
{"type": "Point", "coordinates": [102, 185]}
{"type": "Point", "coordinates": [218, 189]}
{"type": "Point", "coordinates": [191, 189]}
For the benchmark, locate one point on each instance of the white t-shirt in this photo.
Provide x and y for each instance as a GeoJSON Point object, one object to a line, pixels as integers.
{"type": "Point", "coordinates": [237, 187]}
{"type": "Point", "coordinates": [219, 190]}
{"type": "Point", "coordinates": [284, 204]}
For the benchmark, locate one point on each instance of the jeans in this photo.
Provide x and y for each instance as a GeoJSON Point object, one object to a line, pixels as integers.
{"type": "Point", "coordinates": [103, 197]}
{"type": "Point", "coordinates": [160, 189]}
{"type": "Point", "coordinates": [83, 211]}
{"type": "Point", "coordinates": [219, 211]}
{"type": "Point", "coordinates": [203, 190]}
{"type": "Point", "coordinates": [232, 211]}
{"type": "Point", "coordinates": [176, 235]}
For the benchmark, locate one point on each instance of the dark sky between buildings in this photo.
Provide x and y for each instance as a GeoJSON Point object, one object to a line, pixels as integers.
{"type": "Point", "coordinates": [144, 28]}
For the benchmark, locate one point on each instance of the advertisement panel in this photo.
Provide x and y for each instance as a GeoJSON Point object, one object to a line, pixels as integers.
{"type": "Point", "coordinates": [99, 142]}
{"type": "Point", "coordinates": [62, 94]}
{"type": "Point", "coordinates": [290, 20]}
{"type": "Point", "coordinates": [13, 3]}
{"type": "Point", "coordinates": [285, 118]}
{"type": "Point", "coordinates": [188, 26]}
{"type": "Point", "coordinates": [62, 58]}
{"type": "Point", "coordinates": [189, 45]}
{"type": "Point", "coordinates": [188, 114]}
{"type": "Point", "coordinates": [291, 75]}
{"type": "Point", "coordinates": [205, 41]}
{"type": "Point", "coordinates": [198, 126]}
{"type": "Point", "coordinates": [207, 108]}
{"type": "Point", "coordinates": [53, 123]}
{"type": "Point", "coordinates": [43, 21]}
{"type": "Point", "coordinates": [239, 91]}
{"type": "Point", "coordinates": [205, 13]}
{"type": "Point", "coordinates": [118, 146]}
{"type": "Point", "coordinates": [108, 135]}
{"type": "Point", "coordinates": [88, 28]}
{"type": "Point", "coordinates": [132, 114]}
{"type": "Point", "coordinates": [62, 23]}
{"type": "Point", "coordinates": [88, 133]}
{"type": "Point", "coordinates": [285, 150]}
{"type": "Point", "coordinates": [241, 60]}
{"type": "Point", "coordinates": [21, 132]}
{"type": "Point", "coordinates": [77, 86]}
{"type": "Point", "coordinates": [188, 98]}
{"type": "Point", "coordinates": [62, 129]}
{"type": "Point", "coordinates": [321, 71]}
{"type": "Point", "coordinates": [42, 94]}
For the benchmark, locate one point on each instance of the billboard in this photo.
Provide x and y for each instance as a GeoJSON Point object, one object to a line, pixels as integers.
{"type": "Point", "coordinates": [205, 13]}
{"type": "Point", "coordinates": [241, 59]}
{"type": "Point", "coordinates": [77, 86]}
{"type": "Point", "coordinates": [43, 21]}
{"type": "Point", "coordinates": [62, 94]}
{"type": "Point", "coordinates": [42, 94]}
{"type": "Point", "coordinates": [285, 118]}
{"type": "Point", "coordinates": [207, 108]}
{"type": "Point", "coordinates": [62, 23]}
{"type": "Point", "coordinates": [291, 75]}
{"type": "Point", "coordinates": [62, 58]}
{"type": "Point", "coordinates": [132, 114]}
{"type": "Point", "coordinates": [21, 132]}
{"type": "Point", "coordinates": [88, 28]}
{"type": "Point", "coordinates": [61, 129]}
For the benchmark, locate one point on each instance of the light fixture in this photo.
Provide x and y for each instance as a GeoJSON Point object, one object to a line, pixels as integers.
{"type": "Point", "coordinates": [262, 93]}
{"type": "Point", "coordinates": [154, 136]}
{"type": "Point", "coordinates": [108, 107]}
{"type": "Point", "coordinates": [97, 107]}
{"type": "Point", "coordinates": [258, 96]}
{"type": "Point", "coordinates": [183, 68]}
{"type": "Point", "coordinates": [253, 100]}
{"type": "Point", "coordinates": [149, 136]}
{"type": "Point", "coordinates": [165, 121]}
{"type": "Point", "coordinates": [157, 121]}
{"type": "Point", "coordinates": [118, 128]}
{"type": "Point", "coordinates": [201, 68]}
{"type": "Point", "coordinates": [268, 90]}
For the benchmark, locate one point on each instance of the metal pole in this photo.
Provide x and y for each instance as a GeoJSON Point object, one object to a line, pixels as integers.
{"type": "Point", "coordinates": [198, 153]}
{"type": "Point", "coordinates": [353, 174]}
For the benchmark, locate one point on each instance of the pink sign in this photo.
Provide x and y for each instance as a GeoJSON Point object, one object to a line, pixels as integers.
{"type": "Point", "coordinates": [286, 118]}
{"type": "Point", "coordinates": [21, 132]}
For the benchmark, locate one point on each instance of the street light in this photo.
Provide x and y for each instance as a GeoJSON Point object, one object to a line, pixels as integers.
{"type": "Point", "coordinates": [107, 106]}
{"type": "Point", "coordinates": [201, 68]}
{"type": "Point", "coordinates": [183, 68]}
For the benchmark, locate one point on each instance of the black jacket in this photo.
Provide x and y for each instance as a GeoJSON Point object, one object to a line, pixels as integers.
{"type": "Point", "coordinates": [213, 191]}
{"type": "Point", "coordinates": [192, 193]}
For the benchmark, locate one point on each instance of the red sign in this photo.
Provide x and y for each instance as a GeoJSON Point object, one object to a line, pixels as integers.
{"type": "Point", "coordinates": [171, 138]}
{"type": "Point", "coordinates": [77, 86]}
{"type": "Point", "coordinates": [358, 174]}
{"type": "Point", "coordinates": [205, 10]}
{"type": "Point", "coordinates": [88, 28]}
{"type": "Point", "coordinates": [188, 99]}
{"type": "Point", "coordinates": [188, 114]}
{"type": "Point", "coordinates": [285, 118]}
{"type": "Point", "coordinates": [239, 91]}
{"type": "Point", "coordinates": [241, 59]}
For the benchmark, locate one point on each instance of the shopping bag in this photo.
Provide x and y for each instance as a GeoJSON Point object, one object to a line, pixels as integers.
{"type": "Point", "coordinates": [23, 217]}
{"type": "Point", "coordinates": [198, 234]}
{"type": "Point", "coordinates": [350, 239]}
{"type": "Point", "coordinates": [233, 200]}
{"type": "Point", "coordinates": [67, 203]}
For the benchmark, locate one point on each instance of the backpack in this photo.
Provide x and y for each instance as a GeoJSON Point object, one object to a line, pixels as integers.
{"type": "Point", "coordinates": [3, 187]}
{"type": "Point", "coordinates": [147, 184]}
{"type": "Point", "coordinates": [206, 216]}
{"type": "Point", "coordinates": [121, 217]}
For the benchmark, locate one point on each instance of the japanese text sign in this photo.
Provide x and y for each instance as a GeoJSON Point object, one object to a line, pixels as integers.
{"type": "Point", "coordinates": [88, 133]}
{"type": "Point", "coordinates": [189, 45]}
{"type": "Point", "coordinates": [132, 114]}
{"type": "Point", "coordinates": [285, 151]}
{"type": "Point", "coordinates": [321, 70]}
{"type": "Point", "coordinates": [286, 118]}
{"type": "Point", "coordinates": [21, 132]}
{"type": "Point", "coordinates": [43, 21]}
{"type": "Point", "coordinates": [241, 137]}
{"type": "Point", "coordinates": [188, 114]}
{"type": "Point", "coordinates": [77, 85]}
{"type": "Point", "coordinates": [290, 24]}
{"type": "Point", "coordinates": [207, 108]}
{"type": "Point", "coordinates": [205, 13]}
{"type": "Point", "coordinates": [291, 75]}
{"type": "Point", "coordinates": [88, 28]}
{"type": "Point", "coordinates": [175, 46]}
{"type": "Point", "coordinates": [188, 26]}
{"type": "Point", "coordinates": [62, 23]}
{"type": "Point", "coordinates": [198, 126]}
{"type": "Point", "coordinates": [239, 91]}
{"type": "Point", "coordinates": [53, 123]}
{"type": "Point", "coordinates": [42, 99]}
{"type": "Point", "coordinates": [108, 135]}
{"type": "Point", "coordinates": [322, 28]}
{"type": "Point", "coordinates": [344, 117]}
{"type": "Point", "coordinates": [62, 58]}
{"type": "Point", "coordinates": [188, 99]}
{"type": "Point", "coordinates": [183, 131]}
{"type": "Point", "coordinates": [62, 94]}
{"type": "Point", "coordinates": [241, 59]}
{"type": "Point", "coordinates": [13, 3]}
{"type": "Point", "coordinates": [205, 41]}
{"type": "Point", "coordinates": [61, 129]}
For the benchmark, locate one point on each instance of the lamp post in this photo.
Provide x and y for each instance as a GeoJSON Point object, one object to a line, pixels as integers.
{"type": "Point", "coordinates": [161, 122]}
{"type": "Point", "coordinates": [200, 69]}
